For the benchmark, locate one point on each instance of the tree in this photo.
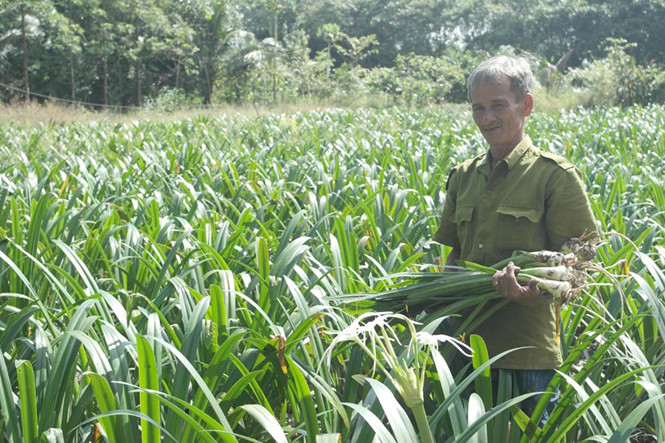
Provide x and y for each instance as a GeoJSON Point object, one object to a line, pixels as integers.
{"type": "Point", "coordinates": [400, 26]}
{"type": "Point", "coordinates": [38, 26]}
{"type": "Point", "coordinates": [356, 49]}
{"type": "Point", "coordinates": [552, 28]}
{"type": "Point", "coordinates": [142, 35]}
{"type": "Point", "coordinates": [100, 45]}
{"type": "Point", "coordinates": [215, 22]}
{"type": "Point", "coordinates": [24, 41]}
{"type": "Point", "coordinates": [66, 35]}
{"type": "Point", "coordinates": [266, 15]}
{"type": "Point", "coordinates": [24, 26]}
{"type": "Point", "coordinates": [331, 33]}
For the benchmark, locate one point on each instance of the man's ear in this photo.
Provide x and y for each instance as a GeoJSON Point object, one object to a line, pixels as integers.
{"type": "Point", "coordinates": [528, 104]}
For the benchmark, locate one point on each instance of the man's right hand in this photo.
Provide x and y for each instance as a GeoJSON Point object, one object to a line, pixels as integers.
{"type": "Point", "coordinates": [505, 282]}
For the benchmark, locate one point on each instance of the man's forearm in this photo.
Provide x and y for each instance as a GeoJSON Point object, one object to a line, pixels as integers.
{"type": "Point", "coordinates": [452, 258]}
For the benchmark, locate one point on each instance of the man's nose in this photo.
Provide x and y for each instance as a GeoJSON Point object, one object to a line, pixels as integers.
{"type": "Point", "coordinates": [488, 116]}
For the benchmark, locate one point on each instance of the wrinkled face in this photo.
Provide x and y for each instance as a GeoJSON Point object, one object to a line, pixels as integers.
{"type": "Point", "coordinates": [499, 115]}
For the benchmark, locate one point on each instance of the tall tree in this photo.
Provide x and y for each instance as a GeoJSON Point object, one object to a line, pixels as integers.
{"type": "Point", "coordinates": [400, 26]}
{"type": "Point", "coordinates": [24, 41]}
{"type": "Point", "coordinates": [65, 36]}
{"type": "Point", "coordinates": [47, 36]}
{"type": "Point", "coordinates": [216, 22]}
{"type": "Point", "coordinates": [98, 31]}
{"type": "Point", "coordinates": [276, 7]}
{"type": "Point", "coordinates": [553, 28]}
{"type": "Point", "coordinates": [141, 29]}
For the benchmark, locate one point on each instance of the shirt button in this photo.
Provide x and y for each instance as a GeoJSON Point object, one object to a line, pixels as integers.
{"type": "Point", "coordinates": [480, 246]}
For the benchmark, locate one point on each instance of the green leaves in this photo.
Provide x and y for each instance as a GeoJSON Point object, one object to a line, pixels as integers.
{"type": "Point", "coordinates": [194, 293]}
{"type": "Point", "coordinates": [9, 412]}
{"type": "Point", "coordinates": [28, 397]}
{"type": "Point", "coordinates": [148, 380]}
{"type": "Point", "coordinates": [399, 422]}
{"type": "Point", "coordinates": [106, 403]}
{"type": "Point", "coordinates": [483, 383]}
{"type": "Point", "coordinates": [267, 420]}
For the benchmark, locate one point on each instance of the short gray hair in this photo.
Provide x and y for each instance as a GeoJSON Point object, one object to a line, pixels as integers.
{"type": "Point", "coordinates": [495, 69]}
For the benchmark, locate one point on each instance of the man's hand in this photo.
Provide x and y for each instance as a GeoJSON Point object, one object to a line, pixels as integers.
{"type": "Point", "coordinates": [506, 284]}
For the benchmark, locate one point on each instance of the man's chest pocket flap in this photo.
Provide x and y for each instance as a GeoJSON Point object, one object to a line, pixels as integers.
{"type": "Point", "coordinates": [463, 214]}
{"type": "Point", "coordinates": [521, 213]}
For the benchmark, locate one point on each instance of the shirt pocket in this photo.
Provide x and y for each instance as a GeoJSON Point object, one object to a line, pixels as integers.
{"type": "Point", "coordinates": [519, 213]}
{"type": "Point", "coordinates": [463, 217]}
{"type": "Point", "coordinates": [523, 226]}
{"type": "Point", "coordinates": [463, 214]}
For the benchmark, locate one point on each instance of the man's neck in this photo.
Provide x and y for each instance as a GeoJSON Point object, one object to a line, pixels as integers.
{"type": "Point", "coordinates": [498, 153]}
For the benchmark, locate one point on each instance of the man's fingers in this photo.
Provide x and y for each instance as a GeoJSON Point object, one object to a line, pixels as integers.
{"type": "Point", "coordinates": [495, 279]}
{"type": "Point", "coordinates": [512, 270]}
{"type": "Point", "coordinates": [533, 286]}
{"type": "Point", "coordinates": [505, 282]}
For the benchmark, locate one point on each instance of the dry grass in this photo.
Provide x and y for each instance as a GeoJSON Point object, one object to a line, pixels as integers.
{"type": "Point", "coordinates": [36, 114]}
{"type": "Point", "coordinates": [50, 113]}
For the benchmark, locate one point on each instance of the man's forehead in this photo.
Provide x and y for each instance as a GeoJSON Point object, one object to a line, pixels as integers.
{"type": "Point", "coordinates": [498, 89]}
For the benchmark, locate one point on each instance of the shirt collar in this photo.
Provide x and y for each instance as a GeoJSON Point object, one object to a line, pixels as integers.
{"type": "Point", "coordinates": [511, 159]}
{"type": "Point", "coordinates": [518, 152]}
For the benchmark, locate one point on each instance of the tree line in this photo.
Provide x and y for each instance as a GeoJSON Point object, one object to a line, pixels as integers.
{"type": "Point", "coordinates": [133, 52]}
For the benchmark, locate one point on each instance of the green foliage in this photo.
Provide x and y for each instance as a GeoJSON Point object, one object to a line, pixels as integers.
{"type": "Point", "coordinates": [420, 80]}
{"type": "Point", "coordinates": [618, 79]}
{"type": "Point", "coordinates": [168, 100]}
{"type": "Point", "coordinates": [179, 280]}
{"type": "Point", "coordinates": [273, 51]}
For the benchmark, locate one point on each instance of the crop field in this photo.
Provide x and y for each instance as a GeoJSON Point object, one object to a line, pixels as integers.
{"type": "Point", "coordinates": [185, 281]}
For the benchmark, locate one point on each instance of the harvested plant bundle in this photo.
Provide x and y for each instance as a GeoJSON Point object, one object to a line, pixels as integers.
{"type": "Point", "coordinates": [561, 275]}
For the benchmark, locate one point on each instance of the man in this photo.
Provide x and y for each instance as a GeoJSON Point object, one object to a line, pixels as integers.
{"type": "Point", "coordinates": [513, 197]}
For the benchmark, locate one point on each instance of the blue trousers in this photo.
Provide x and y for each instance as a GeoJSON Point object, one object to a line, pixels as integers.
{"type": "Point", "coordinates": [530, 380]}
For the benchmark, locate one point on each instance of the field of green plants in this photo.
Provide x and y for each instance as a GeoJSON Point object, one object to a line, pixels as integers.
{"type": "Point", "coordinates": [183, 281]}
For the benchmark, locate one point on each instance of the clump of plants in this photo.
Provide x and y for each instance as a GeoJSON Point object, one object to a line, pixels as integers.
{"type": "Point", "coordinates": [560, 275]}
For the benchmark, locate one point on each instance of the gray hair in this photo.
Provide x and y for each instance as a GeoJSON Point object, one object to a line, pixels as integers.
{"type": "Point", "coordinates": [495, 69]}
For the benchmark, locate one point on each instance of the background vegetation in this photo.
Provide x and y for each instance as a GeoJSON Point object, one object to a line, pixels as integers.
{"type": "Point", "coordinates": [185, 278]}
{"type": "Point", "coordinates": [181, 281]}
{"type": "Point", "coordinates": [170, 53]}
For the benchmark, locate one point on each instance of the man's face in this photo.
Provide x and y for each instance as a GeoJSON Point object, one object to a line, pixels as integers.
{"type": "Point", "coordinates": [499, 115]}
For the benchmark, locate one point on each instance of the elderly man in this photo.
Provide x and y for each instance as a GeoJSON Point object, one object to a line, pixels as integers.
{"type": "Point", "coordinates": [513, 197]}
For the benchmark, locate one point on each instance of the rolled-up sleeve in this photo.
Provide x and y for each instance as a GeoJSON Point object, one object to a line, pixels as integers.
{"type": "Point", "coordinates": [568, 211]}
{"type": "Point", "coordinates": [447, 232]}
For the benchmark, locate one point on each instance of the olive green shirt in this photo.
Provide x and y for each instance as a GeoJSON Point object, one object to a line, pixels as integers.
{"type": "Point", "coordinates": [532, 200]}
